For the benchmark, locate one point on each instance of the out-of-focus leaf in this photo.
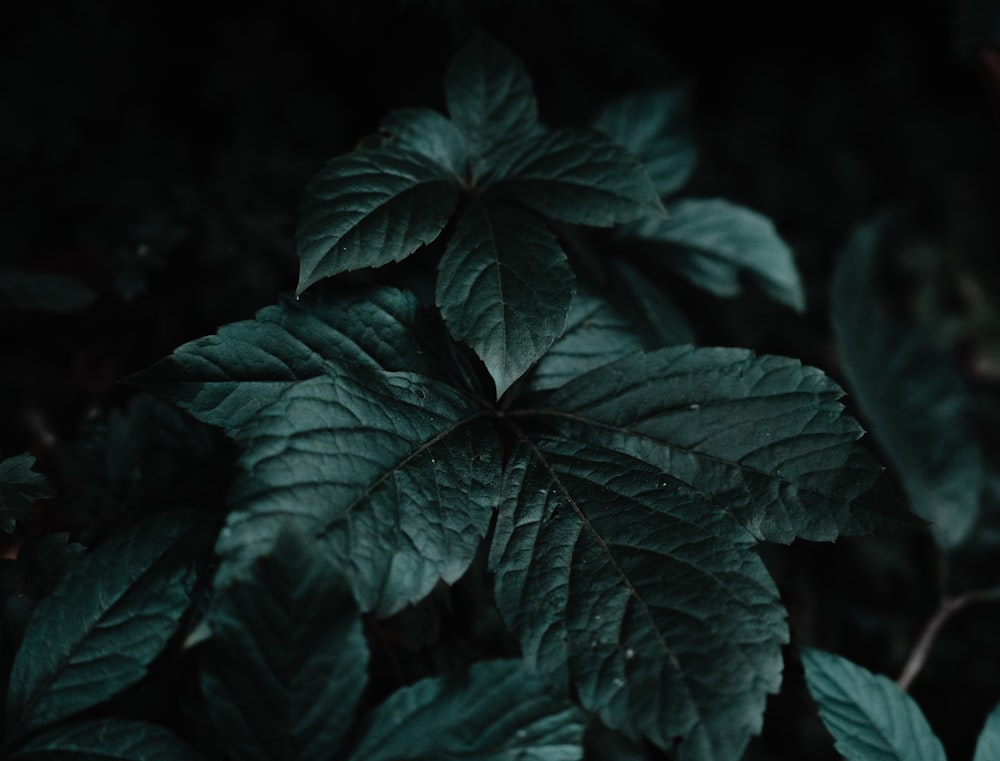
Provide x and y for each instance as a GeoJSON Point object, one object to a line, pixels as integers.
{"type": "Point", "coordinates": [27, 291]}
{"type": "Point", "coordinates": [660, 321]}
{"type": "Point", "coordinates": [20, 488]}
{"type": "Point", "coordinates": [105, 740]}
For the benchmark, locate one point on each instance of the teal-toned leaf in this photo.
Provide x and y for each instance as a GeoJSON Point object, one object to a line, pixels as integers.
{"type": "Point", "coordinates": [654, 127]}
{"type": "Point", "coordinates": [578, 176]}
{"type": "Point", "coordinates": [913, 396]}
{"type": "Point", "coordinates": [640, 594]}
{"type": "Point", "coordinates": [499, 710]}
{"type": "Point", "coordinates": [713, 243]}
{"type": "Point", "coordinates": [394, 477]}
{"type": "Point", "coordinates": [659, 320]}
{"type": "Point", "coordinates": [44, 292]}
{"type": "Point", "coordinates": [428, 133]}
{"type": "Point", "coordinates": [870, 718]}
{"type": "Point", "coordinates": [20, 488]}
{"type": "Point", "coordinates": [369, 208]}
{"type": "Point", "coordinates": [105, 740]}
{"type": "Point", "coordinates": [988, 745]}
{"type": "Point", "coordinates": [287, 659]}
{"type": "Point", "coordinates": [504, 286]}
{"type": "Point", "coordinates": [225, 379]}
{"type": "Point", "coordinates": [764, 437]}
{"type": "Point", "coordinates": [105, 622]}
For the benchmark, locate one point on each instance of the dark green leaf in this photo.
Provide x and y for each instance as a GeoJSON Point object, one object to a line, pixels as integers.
{"type": "Point", "coordinates": [105, 622]}
{"type": "Point", "coordinates": [369, 208]}
{"type": "Point", "coordinates": [578, 176]}
{"type": "Point", "coordinates": [654, 127]}
{"type": "Point", "coordinates": [988, 746]}
{"type": "Point", "coordinates": [660, 321]}
{"type": "Point", "coordinates": [499, 711]}
{"type": "Point", "coordinates": [287, 659]}
{"type": "Point", "coordinates": [713, 242]}
{"type": "Point", "coordinates": [504, 287]}
{"type": "Point", "coordinates": [913, 396]}
{"type": "Point", "coordinates": [870, 718]}
{"type": "Point", "coordinates": [20, 488]}
{"type": "Point", "coordinates": [393, 475]}
{"type": "Point", "coordinates": [763, 436]}
{"type": "Point", "coordinates": [42, 561]}
{"type": "Point", "coordinates": [28, 291]}
{"type": "Point", "coordinates": [428, 133]}
{"type": "Point", "coordinates": [643, 596]}
{"type": "Point", "coordinates": [105, 740]}
{"type": "Point", "coordinates": [225, 379]}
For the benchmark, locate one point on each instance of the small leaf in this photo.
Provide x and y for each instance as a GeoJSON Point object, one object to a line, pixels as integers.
{"type": "Point", "coordinates": [287, 659]}
{"type": "Point", "coordinates": [870, 718]}
{"type": "Point", "coordinates": [20, 488]}
{"type": "Point", "coordinates": [577, 176]}
{"type": "Point", "coordinates": [369, 208]}
{"type": "Point", "coordinates": [498, 711]}
{"type": "Point", "coordinates": [654, 127]}
{"type": "Point", "coordinates": [393, 475]}
{"type": "Point", "coordinates": [43, 292]}
{"type": "Point", "coordinates": [105, 740]}
{"type": "Point", "coordinates": [428, 133]}
{"type": "Point", "coordinates": [504, 287]}
{"type": "Point", "coordinates": [643, 596]}
{"type": "Point", "coordinates": [105, 622]}
{"type": "Point", "coordinates": [988, 746]}
{"type": "Point", "coordinates": [713, 242]}
{"type": "Point", "coordinates": [913, 396]}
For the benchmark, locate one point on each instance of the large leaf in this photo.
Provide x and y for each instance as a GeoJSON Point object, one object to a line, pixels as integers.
{"type": "Point", "coordinates": [647, 599]}
{"type": "Point", "coordinates": [105, 740]}
{"type": "Point", "coordinates": [504, 287]}
{"type": "Point", "coordinates": [498, 711]}
{"type": "Point", "coordinates": [393, 475]}
{"type": "Point", "coordinates": [20, 488]}
{"type": "Point", "coordinates": [714, 242]}
{"type": "Point", "coordinates": [578, 176]}
{"type": "Point", "coordinates": [870, 718]}
{"type": "Point", "coordinates": [369, 208]}
{"type": "Point", "coordinates": [287, 659]}
{"type": "Point", "coordinates": [105, 622]}
{"type": "Point", "coordinates": [654, 127]}
{"type": "Point", "coordinates": [988, 745]}
{"type": "Point", "coordinates": [225, 379]}
{"type": "Point", "coordinates": [428, 133]}
{"type": "Point", "coordinates": [763, 436]}
{"type": "Point", "coordinates": [913, 396]}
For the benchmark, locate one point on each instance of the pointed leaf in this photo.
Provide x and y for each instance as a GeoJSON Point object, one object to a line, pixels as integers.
{"type": "Point", "coordinates": [428, 133]}
{"type": "Point", "coordinates": [393, 475]}
{"type": "Point", "coordinates": [287, 659]}
{"type": "Point", "coordinates": [913, 396]}
{"type": "Point", "coordinates": [105, 740]}
{"type": "Point", "coordinates": [643, 596]}
{"type": "Point", "coordinates": [105, 622]}
{"type": "Point", "coordinates": [20, 488]}
{"type": "Point", "coordinates": [988, 745]}
{"type": "Point", "coordinates": [498, 711]}
{"type": "Point", "coordinates": [870, 718]}
{"type": "Point", "coordinates": [225, 379]}
{"type": "Point", "coordinates": [504, 287]}
{"type": "Point", "coordinates": [369, 208]}
{"type": "Point", "coordinates": [654, 127]}
{"type": "Point", "coordinates": [713, 243]}
{"type": "Point", "coordinates": [763, 436]}
{"type": "Point", "coordinates": [578, 176]}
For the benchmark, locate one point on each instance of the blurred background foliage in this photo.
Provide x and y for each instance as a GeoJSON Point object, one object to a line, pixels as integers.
{"type": "Point", "coordinates": [153, 158]}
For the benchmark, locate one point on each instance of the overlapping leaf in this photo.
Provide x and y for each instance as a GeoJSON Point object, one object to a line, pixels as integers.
{"type": "Point", "coordinates": [499, 710]}
{"type": "Point", "coordinates": [20, 488]}
{"type": "Point", "coordinates": [504, 286]}
{"type": "Point", "coordinates": [651, 309]}
{"type": "Point", "coordinates": [870, 718]}
{"type": "Point", "coordinates": [988, 745]}
{"type": "Point", "coordinates": [428, 133]}
{"type": "Point", "coordinates": [394, 475]}
{"type": "Point", "coordinates": [105, 740]}
{"type": "Point", "coordinates": [642, 595]}
{"type": "Point", "coordinates": [763, 436]}
{"type": "Point", "coordinates": [287, 659]}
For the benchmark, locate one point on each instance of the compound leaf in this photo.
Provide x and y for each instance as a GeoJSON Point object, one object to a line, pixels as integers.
{"type": "Point", "coordinates": [105, 622]}
{"type": "Point", "coordinates": [713, 242]}
{"type": "Point", "coordinates": [105, 740]}
{"type": "Point", "coordinates": [988, 745]}
{"type": "Point", "coordinates": [287, 660]}
{"type": "Point", "coordinates": [499, 710]}
{"type": "Point", "coordinates": [369, 208]}
{"type": "Point", "coordinates": [870, 718]}
{"type": "Point", "coordinates": [20, 488]}
{"type": "Point", "coordinates": [764, 437]}
{"type": "Point", "coordinates": [428, 133]}
{"type": "Point", "coordinates": [394, 475]}
{"type": "Point", "coordinates": [504, 286]}
{"type": "Point", "coordinates": [578, 176]}
{"type": "Point", "coordinates": [646, 598]}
